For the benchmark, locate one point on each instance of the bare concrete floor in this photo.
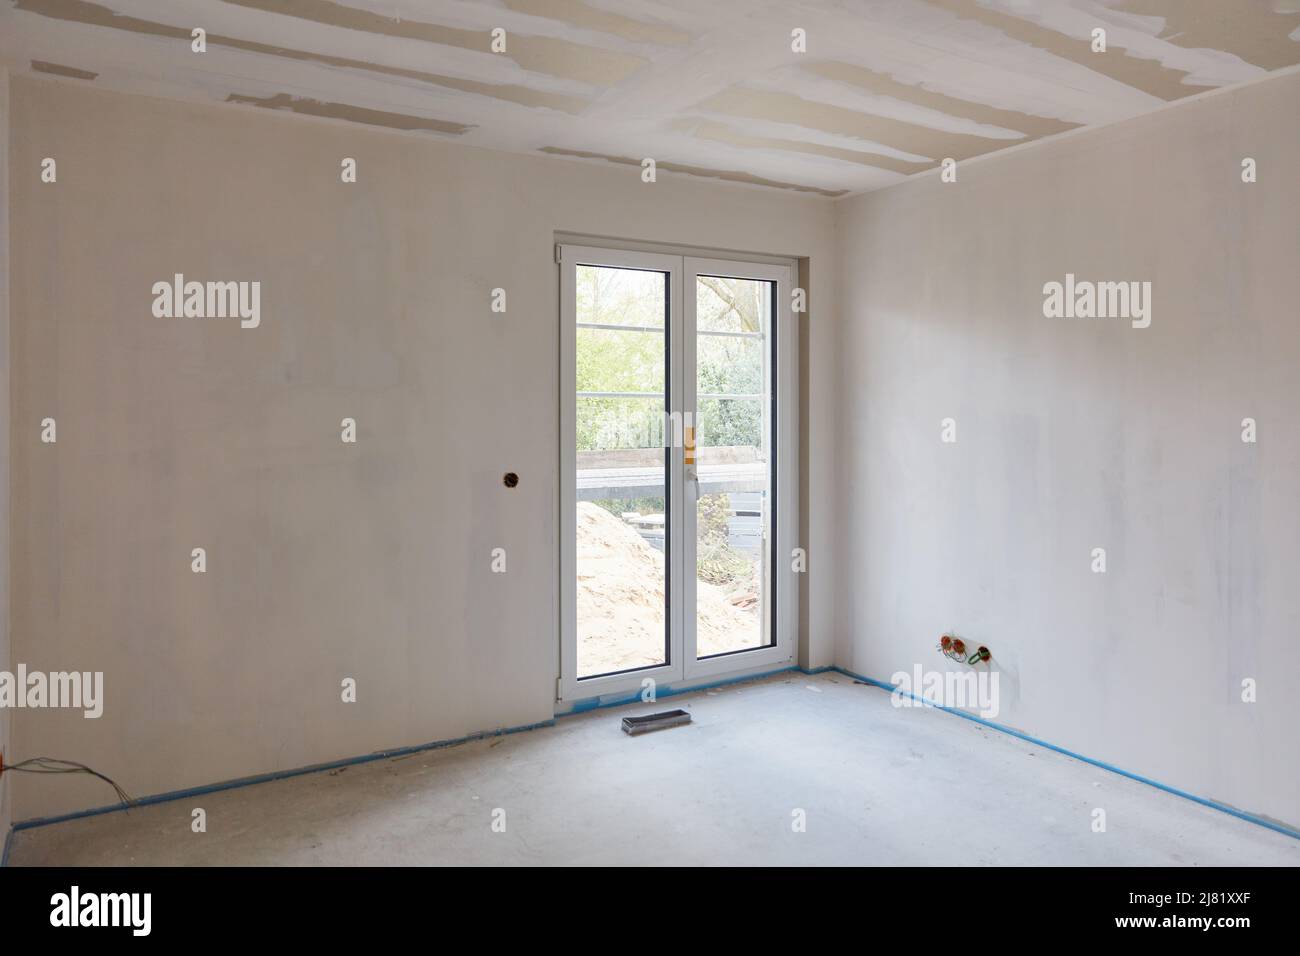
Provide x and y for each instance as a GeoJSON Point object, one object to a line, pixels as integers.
{"type": "Point", "coordinates": [877, 785]}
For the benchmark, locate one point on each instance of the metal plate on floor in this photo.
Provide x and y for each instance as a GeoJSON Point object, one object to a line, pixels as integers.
{"type": "Point", "coordinates": [648, 722]}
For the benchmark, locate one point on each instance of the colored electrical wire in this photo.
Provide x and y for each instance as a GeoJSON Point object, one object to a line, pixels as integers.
{"type": "Point", "coordinates": [55, 765]}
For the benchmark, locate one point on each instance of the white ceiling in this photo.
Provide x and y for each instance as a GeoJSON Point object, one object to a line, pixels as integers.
{"type": "Point", "coordinates": [885, 89]}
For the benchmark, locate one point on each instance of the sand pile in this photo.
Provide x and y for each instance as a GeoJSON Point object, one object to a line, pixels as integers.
{"type": "Point", "coordinates": [621, 600]}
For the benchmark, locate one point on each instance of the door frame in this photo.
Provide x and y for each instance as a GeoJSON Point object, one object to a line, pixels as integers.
{"type": "Point", "coordinates": [682, 668]}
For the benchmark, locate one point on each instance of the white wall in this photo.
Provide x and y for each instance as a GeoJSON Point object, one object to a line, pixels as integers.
{"type": "Point", "coordinates": [324, 560]}
{"type": "Point", "coordinates": [5, 749]}
{"type": "Point", "coordinates": [1076, 434]}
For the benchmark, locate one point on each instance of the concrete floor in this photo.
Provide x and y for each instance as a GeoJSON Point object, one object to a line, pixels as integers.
{"type": "Point", "coordinates": [879, 785]}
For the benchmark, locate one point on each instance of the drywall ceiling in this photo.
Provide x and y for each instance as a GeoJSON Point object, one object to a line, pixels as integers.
{"type": "Point", "coordinates": [885, 88]}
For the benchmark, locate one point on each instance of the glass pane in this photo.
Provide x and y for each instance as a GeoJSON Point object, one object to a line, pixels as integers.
{"type": "Point", "coordinates": [733, 380]}
{"type": "Point", "coordinates": [730, 305]}
{"type": "Point", "coordinates": [620, 360]}
{"type": "Point", "coordinates": [622, 504]}
{"type": "Point", "coordinates": [620, 296]}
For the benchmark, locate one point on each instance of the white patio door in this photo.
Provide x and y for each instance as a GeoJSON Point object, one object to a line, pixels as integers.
{"type": "Point", "coordinates": [677, 479]}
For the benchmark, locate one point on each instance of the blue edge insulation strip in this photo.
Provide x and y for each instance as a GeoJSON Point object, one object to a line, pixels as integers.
{"type": "Point", "coordinates": [597, 703]}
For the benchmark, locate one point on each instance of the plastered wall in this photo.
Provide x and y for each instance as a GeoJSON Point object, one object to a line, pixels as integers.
{"type": "Point", "coordinates": [5, 809]}
{"type": "Point", "coordinates": [324, 560]}
{"type": "Point", "coordinates": [1076, 434]}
